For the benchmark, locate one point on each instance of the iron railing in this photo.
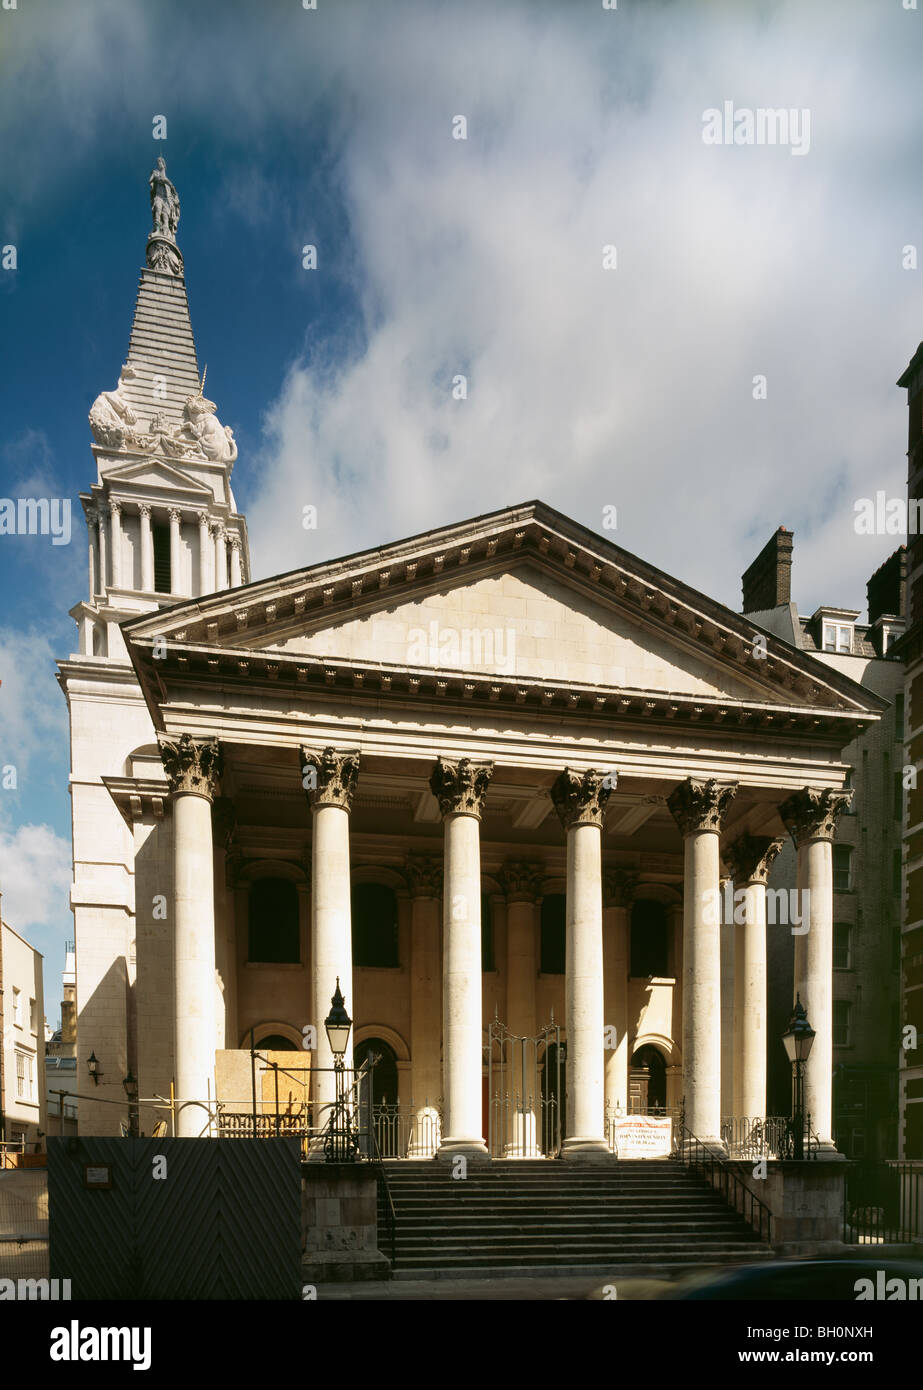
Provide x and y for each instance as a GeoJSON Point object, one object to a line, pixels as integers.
{"type": "Point", "coordinates": [715, 1167]}
{"type": "Point", "coordinates": [525, 1091]}
{"type": "Point", "coordinates": [883, 1202]}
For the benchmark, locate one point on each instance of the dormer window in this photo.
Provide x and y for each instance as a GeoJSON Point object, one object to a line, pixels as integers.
{"type": "Point", "coordinates": [838, 637]}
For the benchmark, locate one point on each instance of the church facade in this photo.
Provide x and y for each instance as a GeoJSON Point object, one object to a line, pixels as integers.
{"type": "Point", "coordinates": [492, 778]}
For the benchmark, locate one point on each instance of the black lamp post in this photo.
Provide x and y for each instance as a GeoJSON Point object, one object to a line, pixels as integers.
{"type": "Point", "coordinates": [798, 1039]}
{"type": "Point", "coordinates": [341, 1144]}
{"type": "Point", "coordinates": [131, 1090]}
{"type": "Point", "coordinates": [93, 1068]}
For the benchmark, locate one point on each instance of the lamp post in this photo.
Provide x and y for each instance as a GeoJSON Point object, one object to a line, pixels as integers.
{"type": "Point", "coordinates": [341, 1144]}
{"type": "Point", "coordinates": [93, 1068]}
{"type": "Point", "coordinates": [798, 1038]}
{"type": "Point", "coordinates": [131, 1090]}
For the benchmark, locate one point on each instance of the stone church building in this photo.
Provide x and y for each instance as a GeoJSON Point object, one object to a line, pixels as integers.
{"type": "Point", "coordinates": [487, 777]}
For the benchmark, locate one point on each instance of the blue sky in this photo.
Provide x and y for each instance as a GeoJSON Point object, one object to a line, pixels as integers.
{"type": "Point", "coordinates": [586, 387]}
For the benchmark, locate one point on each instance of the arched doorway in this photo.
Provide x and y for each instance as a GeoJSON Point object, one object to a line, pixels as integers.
{"type": "Point", "coordinates": [379, 1112]}
{"type": "Point", "coordinates": [647, 1083]}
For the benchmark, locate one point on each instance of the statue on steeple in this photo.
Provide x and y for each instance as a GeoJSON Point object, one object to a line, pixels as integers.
{"type": "Point", "coordinates": [164, 201]}
{"type": "Point", "coordinates": [162, 250]}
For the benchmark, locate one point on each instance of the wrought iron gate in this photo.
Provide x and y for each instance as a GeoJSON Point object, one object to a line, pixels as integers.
{"type": "Point", "coordinates": [525, 1092]}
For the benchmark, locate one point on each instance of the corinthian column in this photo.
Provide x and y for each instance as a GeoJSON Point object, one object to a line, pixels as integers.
{"type": "Point", "coordinates": [522, 881]}
{"type": "Point", "coordinates": [221, 557]}
{"type": "Point", "coordinates": [102, 512]}
{"type": "Point", "coordinates": [699, 809]}
{"type": "Point", "coordinates": [810, 817]}
{"type": "Point", "coordinates": [147, 548]}
{"type": "Point", "coordinates": [579, 799]}
{"type": "Point", "coordinates": [115, 510]}
{"type": "Point", "coordinates": [193, 767]}
{"type": "Point", "coordinates": [176, 583]}
{"type": "Point", "coordinates": [334, 774]}
{"type": "Point", "coordinates": [206, 555]}
{"type": "Point", "coordinates": [424, 874]}
{"type": "Point", "coordinates": [749, 860]}
{"type": "Point", "coordinates": [618, 894]}
{"type": "Point", "coordinates": [234, 543]}
{"type": "Point", "coordinates": [94, 568]}
{"type": "Point", "coordinates": [459, 789]}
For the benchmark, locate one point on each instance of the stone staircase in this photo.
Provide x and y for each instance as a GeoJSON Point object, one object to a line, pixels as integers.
{"type": "Point", "coordinates": [550, 1216]}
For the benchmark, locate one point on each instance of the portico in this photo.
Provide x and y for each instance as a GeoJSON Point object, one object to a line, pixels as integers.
{"type": "Point", "coordinates": [569, 806]}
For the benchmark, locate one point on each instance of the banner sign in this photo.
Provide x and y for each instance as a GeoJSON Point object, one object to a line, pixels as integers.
{"type": "Point", "coordinates": [643, 1136]}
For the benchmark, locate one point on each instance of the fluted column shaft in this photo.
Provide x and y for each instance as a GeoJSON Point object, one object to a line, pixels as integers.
{"type": "Point", "coordinates": [459, 789]}
{"type": "Point", "coordinates": [102, 517]}
{"type": "Point", "coordinates": [206, 555]}
{"type": "Point", "coordinates": [115, 511]}
{"type": "Point", "coordinates": [698, 809]}
{"type": "Point", "coordinates": [221, 558]}
{"type": "Point", "coordinates": [193, 768]}
{"type": "Point", "coordinates": [579, 800]}
{"type": "Point", "coordinates": [234, 542]}
{"type": "Point", "coordinates": [810, 817]}
{"type": "Point", "coordinates": [92, 523]}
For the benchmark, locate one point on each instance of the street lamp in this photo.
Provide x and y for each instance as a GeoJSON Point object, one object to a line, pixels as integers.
{"type": "Point", "coordinates": [798, 1039]}
{"type": "Point", "coordinates": [93, 1068]}
{"type": "Point", "coordinates": [341, 1144]}
{"type": "Point", "coordinates": [131, 1090]}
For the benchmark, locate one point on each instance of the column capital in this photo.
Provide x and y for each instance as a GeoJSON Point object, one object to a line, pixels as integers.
{"type": "Point", "coordinates": [174, 514]}
{"type": "Point", "coordinates": [696, 805]}
{"type": "Point", "coordinates": [336, 774]}
{"type": "Point", "coordinates": [144, 508]}
{"type": "Point", "coordinates": [92, 514]}
{"type": "Point", "coordinates": [580, 797]}
{"type": "Point", "coordinates": [460, 787]}
{"type": "Point", "coordinates": [749, 857]}
{"type": "Point", "coordinates": [234, 541]}
{"type": "Point", "coordinates": [811, 814]}
{"type": "Point", "coordinates": [192, 765]}
{"type": "Point", "coordinates": [201, 515]}
{"type": "Point", "coordinates": [619, 886]}
{"type": "Point", "coordinates": [115, 506]}
{"type": "Point", "coordinates": [522, 879]}
{"type": "Point", "coordinates": [216, 527]}
{"type": "Point", "coordinates": [224, 820]}
{"type": "Point", "coordinates": [424, 874]}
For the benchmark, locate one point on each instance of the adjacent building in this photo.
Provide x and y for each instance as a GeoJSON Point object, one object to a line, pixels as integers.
{"type": "Point", "coordinates": [866, 852]}
{"type": "Point", "coordinates": [22, 1029]}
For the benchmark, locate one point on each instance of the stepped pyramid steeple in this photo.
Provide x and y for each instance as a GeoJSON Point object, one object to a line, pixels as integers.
{"type": "Point", "coordinates": [162, 519]}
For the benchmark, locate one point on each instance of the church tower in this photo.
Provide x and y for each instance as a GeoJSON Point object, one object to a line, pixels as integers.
{"type": "Point", "coordinates": [163, 525]}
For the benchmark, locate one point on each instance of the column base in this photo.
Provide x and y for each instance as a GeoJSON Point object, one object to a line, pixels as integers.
{"type": "Point", "coordinates": [469, 1149]}
{"type": "Point", "coordinates": [587, 1151]}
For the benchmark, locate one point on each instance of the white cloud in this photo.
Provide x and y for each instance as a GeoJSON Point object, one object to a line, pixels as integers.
{"type": "Point", "coordinates": [35, 879]}
{"type": "Point", "coordinates": [33, 723]}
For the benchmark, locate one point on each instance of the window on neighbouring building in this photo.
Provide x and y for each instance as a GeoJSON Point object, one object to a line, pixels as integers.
{"type": "Point", "coordinates": [273, 934]}
{"type": "Point", "coordinates": [842, 868]}
{"type": "Point", "coordinates": [841, 931]}
{"type": "Point", "coordinates": [841, 1019]}
{"type": "Point", "coordinates": [838, 637]}
{"type": "Point", "coordinates": [374, 910]}
{"type": "Point", "coordinates": [33, 1016]}
{"type": "Point", "coordinates": [899, 719]}
{"type": "Point", "coordinates": [554, 949]}
{"type": "Point", "coordinates": [161, 538]}
{"type": "Point", "coordinates": [25, 1075]}
{"type": "Point", "coordinates": [17, 1007]}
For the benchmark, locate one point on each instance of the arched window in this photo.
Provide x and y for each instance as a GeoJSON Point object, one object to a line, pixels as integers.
{"type": "Point", "coordinates": [273, 922]}
{"type": "Point", "coordinates": [487, 934]}
{"type": "Point", "coordinates": [554, 935]}
{"type": "Point", "coordinates": [648, 939]}
{"type": "Point", "coordinates": [384, 1073]}
{"type": "Point", "coordinates": [275, 1042]}
{"type": "Point", "coordinates": [374, 914]}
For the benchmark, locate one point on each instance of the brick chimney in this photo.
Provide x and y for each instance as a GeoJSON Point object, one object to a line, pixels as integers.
{"type": "Point", "coordinates": [887, 588]}
{"type": "Point", "coordinates": [768, 581]}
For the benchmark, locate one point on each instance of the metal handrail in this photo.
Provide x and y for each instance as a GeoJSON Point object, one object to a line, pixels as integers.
{"type": "Point", "coordinates": [713, 1162]}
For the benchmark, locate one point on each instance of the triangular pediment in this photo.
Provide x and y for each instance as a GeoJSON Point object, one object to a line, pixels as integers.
{"type": "Point", "coordinates": [157, 474]}
{"type": "Point", "coordinates": [524, 595]}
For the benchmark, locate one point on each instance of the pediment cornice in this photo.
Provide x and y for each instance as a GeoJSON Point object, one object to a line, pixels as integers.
{"type": "Point", "coordinates": [244, 625]}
